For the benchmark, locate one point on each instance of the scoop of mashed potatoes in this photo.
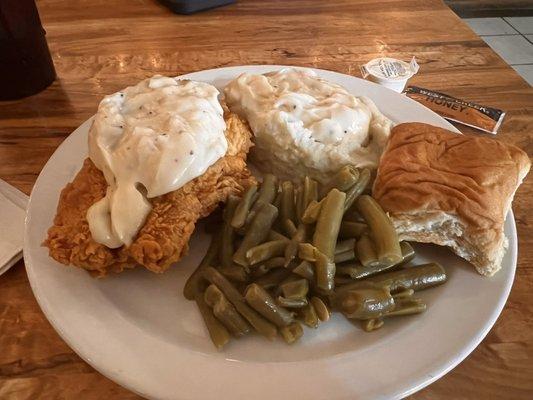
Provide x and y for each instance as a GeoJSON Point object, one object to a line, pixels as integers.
{"type": "Point", "coordinates": [304, 125]}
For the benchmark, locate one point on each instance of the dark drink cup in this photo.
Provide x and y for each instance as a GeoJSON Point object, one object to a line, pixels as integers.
{"type": "Point", "coordinates": [26, 66]}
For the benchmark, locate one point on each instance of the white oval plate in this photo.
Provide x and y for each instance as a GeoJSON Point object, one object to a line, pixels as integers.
{"type": "Point", "coordinates": [137, 329]}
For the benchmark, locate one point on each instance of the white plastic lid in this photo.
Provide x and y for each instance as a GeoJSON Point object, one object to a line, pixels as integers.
{"type": "Point", "coordinates": [390, 69]}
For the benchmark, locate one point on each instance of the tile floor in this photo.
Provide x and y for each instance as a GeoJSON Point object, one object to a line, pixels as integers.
{"type": "Point", "coordinates": [511, 38]}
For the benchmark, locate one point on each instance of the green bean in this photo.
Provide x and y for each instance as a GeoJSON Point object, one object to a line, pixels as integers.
{"type": "Point", "coordinates": [234, 273]}
{"type": "Point", "coordinates": [408, 253]}
{"type": "Point", "coordinates": [345, 245]}
{"type": "Point", "coordinates": [305, 269]}
{"type": "Point", "coordinates": [273, 235]}
{"type": "Point", "coordinates": [350, 229]}
{"type": "Point", "coordinates": [292, 332]}
{"type": "Point", "coordinates": [228, 233]}
{"type": "Point", "coordinates": [403, 294]}
{"type": "Point", "coordinates": [277, 200]}
{"type": "Point", "coordinates": [260, 324]}
{"type": "Point", "coordinates": [383, 233]}
{"type": "Point", "coordinates": [307, 252]}
{"type": "Point", "coordinates": [266, 251]}
{"type": "Point", "coordinates": [344, 179]}
{"type": "Point", "coordinates": [298, 194]}
{"type": "Point", "coordinates": [273, 277]}
{"type": "Point", "coordinates": [192, 284]}
{"type": "Point", "coordinates": [225, 311]}
{"type": "Point", "coordinates": [258, 271]}
{"type": "Point", "coordinates": [287, 210]}
{"type": "Point", "coordinates": [257, 232]}
{"type": "Point", "coordinates": [288, 279]}
{"type": "Point", "coordinates": [325, 272]}
{"type": "Point", "coordinates": [355, 191]}
{"type": "Point", "coordinates": [407, 307]}
{"type": "Point", "coordinates": [241, 212]}
{"type": "Point", "coordinates": [312, 212]}
{"type": "Point", "coordinates": [296, 289]}
{"type": "Point", "coordinates": [417, 278]}
{"type": "Point", "coordinates": [217, 332]}
{"type": "Point", "coordinates": [342, 281]}
{"type": "Point", "coordinates": [358, 271]}
{"type": "Point", "coordinates": [292, 303]}
{"type": "Point", "coordinates": [328, 223]}
{"type": "Point", "coordinates": [264, 304]}
{"type": "Point", "coordinates": [275, 262]}
{"type": "Point", "coordinates": [308, 316]}
{"type": "Point", "coordinates": [289, 227]}
{"type": "Point", "coordinates": [352, 215]}
{"type": "Point", "coordinates": [322, 311]}
{"type": "Point", "coordinates": [291, 250]}
{"type": "Point", "coordinates": [364, 303]}
{"type": "Point", "coordinates": [242, 230]}
{"type": "Point", "coordinates": [366, 252]}
{"type": "Point", "coordinates": [350, 270]}
{"type": "Point", "coordinates": [310, 193]}
{"type": "Point", "coordinates": [406, 301]}
{"type": "Point", "coordinates": [345, 256]}
{"type": "Point", "coordinates": [220, 281]}
{"type": "Point", "coordinates": [249, 217]}
{"type": "Point", "coordinates": [267, 191]}
{"type": "Point", "coordinates": [371, 324]}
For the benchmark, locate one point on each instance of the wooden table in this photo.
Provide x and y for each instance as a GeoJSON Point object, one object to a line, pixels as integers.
{"type": "Point", "coordinates": [100, 46]}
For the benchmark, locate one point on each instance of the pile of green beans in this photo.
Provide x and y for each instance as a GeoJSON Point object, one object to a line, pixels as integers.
{"type": "Point", "coordinates": [287, 254]}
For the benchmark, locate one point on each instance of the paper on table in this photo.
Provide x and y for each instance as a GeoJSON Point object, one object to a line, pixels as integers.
{"type": "Point", "coordinates": [12, 214]}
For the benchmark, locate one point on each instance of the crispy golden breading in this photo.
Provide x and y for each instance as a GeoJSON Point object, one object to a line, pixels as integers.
{"type": "Point", "coordinates": [165, 235]}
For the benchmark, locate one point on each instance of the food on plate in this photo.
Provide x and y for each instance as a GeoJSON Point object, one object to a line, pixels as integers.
{"type": "Point", "coordinates": [288, 254]}
{"type": "Point", "coordinates": [149, 140]}
{"type": "Point", "coordinates": [225, 312]}
{"type": "Point", "coordinates": [217, 332]}
{"type": "Point", "coordinates": [260, 324]}
{"type": "Point", "coordinates": [451, 190]}
{"type": "Point", "coordinates": [309, 239]}
{"type": "Point", "coordinates": [162, 154]}
{"type": "Point", "coordinates": [414, 278]}
{"type": "Point", "coordinates": [305, 125]}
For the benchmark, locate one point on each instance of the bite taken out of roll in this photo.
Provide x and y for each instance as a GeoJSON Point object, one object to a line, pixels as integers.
{"type": "Point", "coordinates": [452, 190]}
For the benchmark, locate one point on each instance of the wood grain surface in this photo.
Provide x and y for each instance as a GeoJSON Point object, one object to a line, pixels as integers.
{"type": "Point", "coordinates": [100, 46]}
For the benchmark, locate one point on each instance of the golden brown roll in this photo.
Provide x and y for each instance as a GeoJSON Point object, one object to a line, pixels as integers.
{"type": "Point", "coordinates": [449, 189]}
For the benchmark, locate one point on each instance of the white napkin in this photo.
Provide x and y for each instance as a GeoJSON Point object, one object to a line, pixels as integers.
{"type": "Point", "coordinates": [12, 213]}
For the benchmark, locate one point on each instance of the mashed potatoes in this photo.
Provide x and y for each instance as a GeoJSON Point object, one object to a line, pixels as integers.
{"type": "Point", "coordinates": [304, 125]}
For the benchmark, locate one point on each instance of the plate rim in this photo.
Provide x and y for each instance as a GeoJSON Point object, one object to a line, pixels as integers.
{"type": "Point", "coordinates": [419, 382]}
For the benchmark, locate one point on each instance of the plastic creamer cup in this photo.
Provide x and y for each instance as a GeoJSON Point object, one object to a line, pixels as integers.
{"type": "Point", "coordinates": [390, 72]}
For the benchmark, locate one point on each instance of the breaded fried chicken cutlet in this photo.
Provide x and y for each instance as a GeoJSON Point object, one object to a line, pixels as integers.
{"type": "Point", "coordinates": [102, 224]}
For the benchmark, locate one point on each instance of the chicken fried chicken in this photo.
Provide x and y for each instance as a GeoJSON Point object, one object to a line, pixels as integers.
{"type": "Point", "coordinates": [164, 237]}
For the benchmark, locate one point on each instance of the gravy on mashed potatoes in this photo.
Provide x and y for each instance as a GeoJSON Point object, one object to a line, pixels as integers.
{"type": "Point", "coordinates": [304, 125]}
